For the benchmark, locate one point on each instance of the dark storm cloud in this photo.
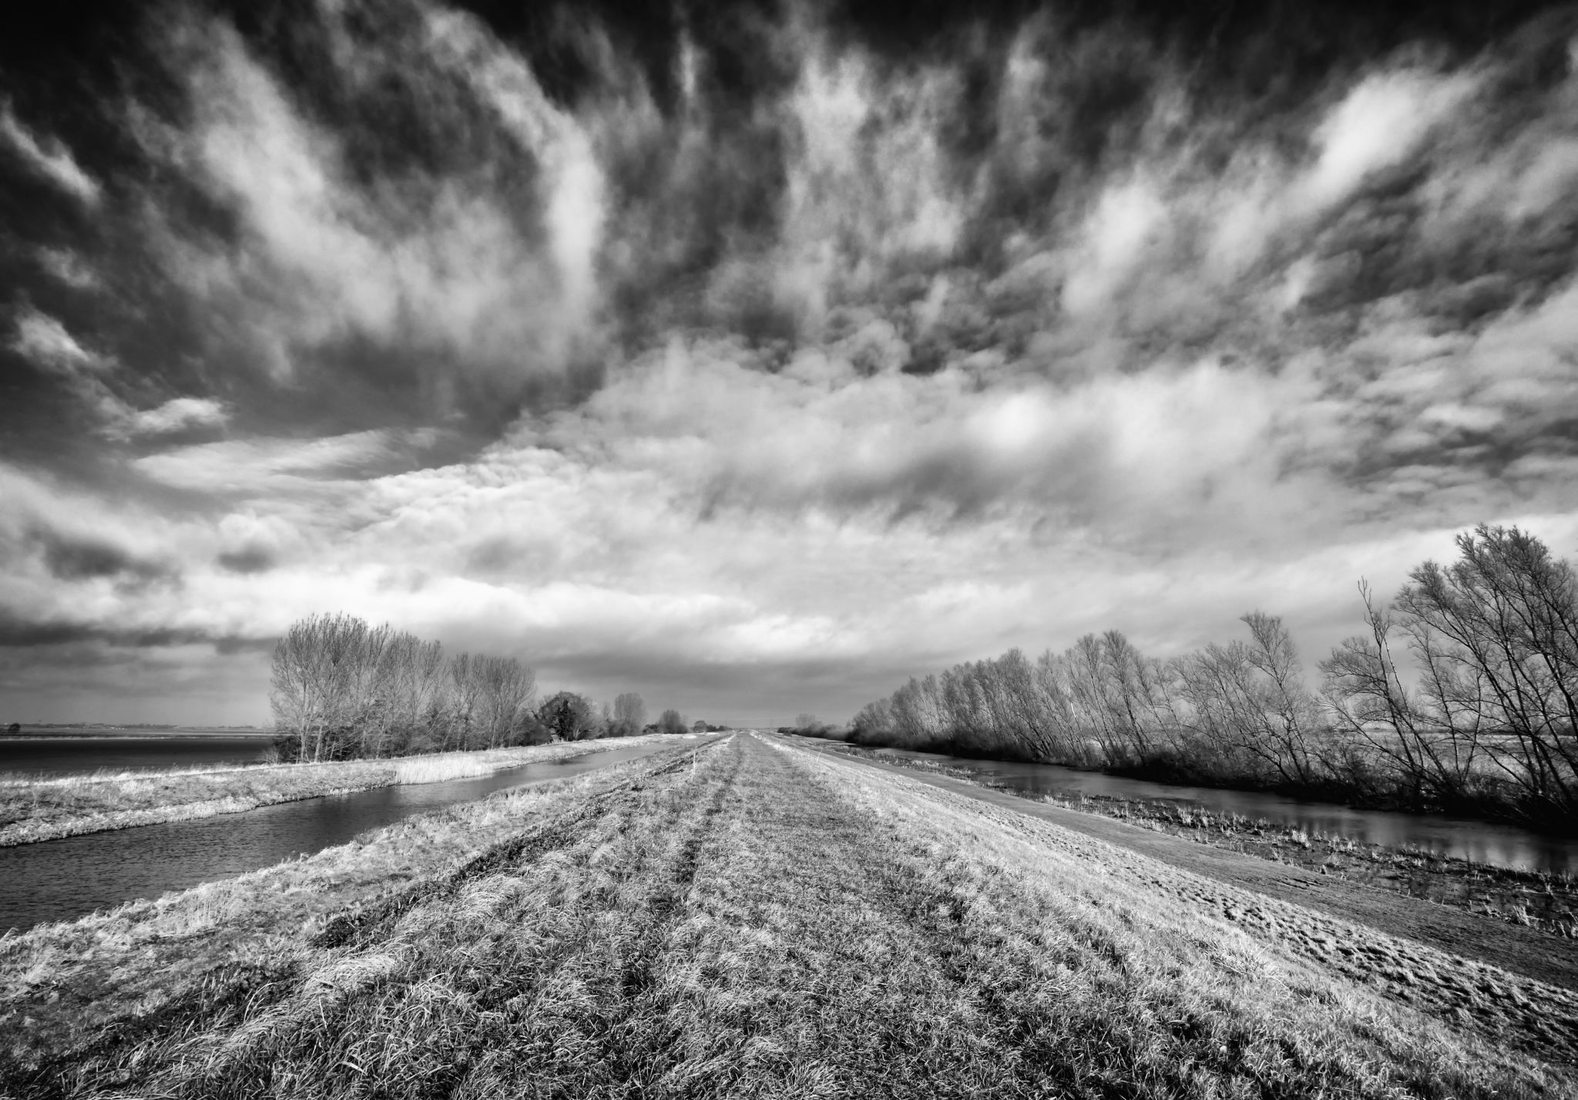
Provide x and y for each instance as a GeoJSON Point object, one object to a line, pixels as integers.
{"type": "Point", "coordinates": [249, 559]}
{"type": "Point", "coordinates": [36, 635]}
{"type": "Point", "coordinates": [400, 147]}
{"type": "Point", "coordinates": [72, 559]}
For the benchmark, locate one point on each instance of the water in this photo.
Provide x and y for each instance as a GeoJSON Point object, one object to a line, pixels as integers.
{"type": "Point", "coordinates": [1463, 838]}
{"type": "Point", "coordinates": [45, 753]}
{"type": "Point", "coordinates": [65, 879]}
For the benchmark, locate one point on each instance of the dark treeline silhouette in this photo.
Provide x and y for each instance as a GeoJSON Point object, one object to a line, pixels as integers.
{"type": "Point", "coordinates": [341, 689]}
{"type": "Point", "coordinates": [1478, 716]}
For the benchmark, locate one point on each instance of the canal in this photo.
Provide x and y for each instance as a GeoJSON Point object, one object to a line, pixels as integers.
{"type": "Point", "coordinates": [64, 879]}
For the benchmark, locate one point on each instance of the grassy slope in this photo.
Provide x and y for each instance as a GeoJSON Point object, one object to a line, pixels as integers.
{"type": "Point", "coordinates": [759, 922]}
{"type": "Point", "coordinates": [46, 809]}
{"type": "Point", "coordinates": [1542, 902]}
{"type": "Point", "coordinates": [1455, 931]}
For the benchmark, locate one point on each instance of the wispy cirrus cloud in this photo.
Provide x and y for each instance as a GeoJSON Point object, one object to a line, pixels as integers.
{"type": "Point", "coordinates": [179, 414]}
{"type": "Point", "coordinates": [45, 343]}
{"type": "Point", "coordinates": [481, 271]}
{"type": "Point", "coordinates": [47, 157]}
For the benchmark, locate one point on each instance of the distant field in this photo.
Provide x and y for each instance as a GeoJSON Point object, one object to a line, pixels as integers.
{"type": "Point", "coordinates": [746, 918]}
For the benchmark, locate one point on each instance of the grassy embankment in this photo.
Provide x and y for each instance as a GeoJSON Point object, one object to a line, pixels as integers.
{"type": "Point", "coordinates": [1356, 774]}
{"type": "Point", "coordinates": [45, 809]}
{"type": "Point", "coordinates": [753, 920]}
{"type": "Point", "coordinates": [1532, 899]}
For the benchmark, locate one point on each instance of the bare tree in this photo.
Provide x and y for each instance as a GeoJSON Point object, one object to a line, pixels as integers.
{"type": "Point", "coordinates": [1497, 633]}
{"type": "Point", "coordinates": [465, 702]}
{"type": "Point", "coordinates": [919, 716]}
{"type": "Point", "coordinates": [298, 683]}
{"type": "Point", "coordinates": [1295, 718]}
{"type": "Point", "coordinates": [505, 689]}
{"type": "Point", "coordinates": [873, 722]}
{"type": "Point", "coordinates": [313, 685]}
{"type": "Point", "coordinates": [423, 692]}
{"type": "Point", "coordinates": [346, 688]}
{"type": "Point", "coordinates": [1249, 705]}
{"type": "Point", "coordinates": [1371, 704]}
{"type": "Point", "coordinates": [630, 714]}
{"type": "Point", "coordinates": [1063, 739]}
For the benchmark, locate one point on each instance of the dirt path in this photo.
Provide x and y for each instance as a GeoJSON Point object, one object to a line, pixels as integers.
{"type": "Point", "coordinates": [1447, 929]}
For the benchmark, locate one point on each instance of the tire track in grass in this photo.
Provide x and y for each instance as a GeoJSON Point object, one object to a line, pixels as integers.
{"type": "Point", "coordinates": [361, 926]}
{"type": "Point", "coordinates": [497, 961]}
{"type": "Point", "coordinates": [567, 1029]}
{"type": "Point", "coordinates": [821, 958]}
{"type": "Point", "coordinates": [629, 1028]}
{"type": "Point", "coordinates": [784, 978]}
{"type": "Point", "coordinates": [669, 1012]}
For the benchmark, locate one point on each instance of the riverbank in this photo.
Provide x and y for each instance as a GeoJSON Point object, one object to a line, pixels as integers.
{"type": "Point", "coordinates": [736, 918]}
{"type": "Point", "coordinates": [1489, 798]}
{"type": "Point", "coordinates": [1531, 899]}
{"type": "Point", "coordinates": [33, 810]}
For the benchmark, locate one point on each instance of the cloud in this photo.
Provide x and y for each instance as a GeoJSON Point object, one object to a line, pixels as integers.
{"type": "Point", "coordinates": [82, 558]}
{"type": "Point", "coordinates": [72, 536]}
{"type": "Point", "coordinates": [44, 341]}
{"type": "Point", "coordinates": [484, 272]}
{"type": "Point", "coordinates": [1126, 219]}
{"type": "Point", "coordinates": [178, 414]}
{"type": "Point", "coordinates": [250, 559]}
{"type": "Point", "coordinates": [47, 157]}
{"type": "Point", "coordinates": [1378, 125]}
{"type": "Point", "coordinates": [60, 633]}
{"type": "Point", "coordinates": [83, 372]}
{"type": "Point", "coordinates": [68, 267]}
{"type": "Point", "coordinates": [93, 378]}
{"type": "Point", "coordinates": [250, 542]}
{"type": "Point", "coordinates": [776, 354]}
{"type": "Point", "coordinates": [573, 184]}
{"type": "Point", "coordinates": [260, 463]}
{"type": "Point", "coordinates": [1189, 445]}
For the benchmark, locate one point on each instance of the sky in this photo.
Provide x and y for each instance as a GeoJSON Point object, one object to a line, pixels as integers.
{"type": "Point", "coordinates": [757, 357]}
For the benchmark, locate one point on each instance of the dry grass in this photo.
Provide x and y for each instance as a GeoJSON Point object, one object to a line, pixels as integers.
{"type": "Point", "coordinates": [1547, 902]}
{"type": "Point", "coordinates": [1532, 899]}
{"type": "Point", "coordinates": [756, 923]}
{"type": "Point", "coordinates": [1507, 1009]}
{"type": "Point", "coordinates": [46, 809]}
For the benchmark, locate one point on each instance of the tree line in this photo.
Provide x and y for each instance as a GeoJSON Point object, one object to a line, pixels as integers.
{"type": "Point", "coordinates": [1459, 695]}
{"type": "Point", "coordinates": [341, 688]}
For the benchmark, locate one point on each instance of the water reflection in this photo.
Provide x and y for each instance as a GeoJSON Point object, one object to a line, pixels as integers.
{"type": "Point", "coordinates": [45, 755]}
{"type": "Point", "coordinates": [1500, 845]}
{"type": "Point", "coordinates": [65, 879]}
